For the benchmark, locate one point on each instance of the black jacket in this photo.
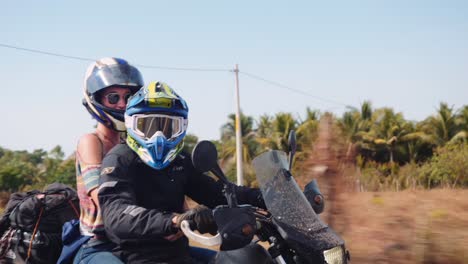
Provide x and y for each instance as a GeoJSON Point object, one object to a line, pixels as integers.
{"type": "Point", "coordinates": [138, 202]}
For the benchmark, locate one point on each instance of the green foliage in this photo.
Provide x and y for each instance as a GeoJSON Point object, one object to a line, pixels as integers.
{"type": "Point", "coordinates": [15, 170]}
{"type": "Point", "coordinates": [447, 168]}
{"type": "Point", "coordinates": [15, 174]}
{"type": "Point", "coordinates": [64, 173]}
{"type": "Point", "coordinates": [21, 170]}
{"type": "Point", "coordinates": [442, 126]}
{"type": "Point", "coordinates": [190, 141]}
{"type": "Point", "coordinates": [270, 132]}
{"type": "Point", "coordinates": [392, 153]}
{"type": "Point", "coordinates": [227, 147]}
{"type": "Point", "coordinates": [385, 136]}
{"type": "Point", "coordinates": [395, 154]}
{"type": "Point", "coordinates": [379, 176]}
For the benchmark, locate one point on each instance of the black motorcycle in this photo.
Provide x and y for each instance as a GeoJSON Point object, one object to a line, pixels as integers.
{"type": "Point", "coordinates": [291, 228]}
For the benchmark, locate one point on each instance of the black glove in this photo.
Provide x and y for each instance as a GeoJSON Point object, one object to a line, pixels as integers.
{"type": "Point", "coordinates": [200, 218]}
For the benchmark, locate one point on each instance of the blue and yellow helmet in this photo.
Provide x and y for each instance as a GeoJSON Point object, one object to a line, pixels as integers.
{"type": "Point", "coordinates": [156, 122]}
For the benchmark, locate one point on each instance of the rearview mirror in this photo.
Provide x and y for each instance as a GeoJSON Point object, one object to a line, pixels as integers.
{"type": "Point", "coordinates": [205, 156]}
{"type": "Point", "coordinates": [204, 159]}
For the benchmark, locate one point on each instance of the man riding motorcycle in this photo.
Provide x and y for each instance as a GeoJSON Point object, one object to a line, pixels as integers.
{"type": "Point", "coordinates": [143, 183]}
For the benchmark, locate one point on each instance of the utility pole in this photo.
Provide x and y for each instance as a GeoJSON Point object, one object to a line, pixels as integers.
{"type": "Point", "coordinates": [240, 177]}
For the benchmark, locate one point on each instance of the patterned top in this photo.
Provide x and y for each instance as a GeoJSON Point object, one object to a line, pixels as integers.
{"type": "Point", "coordinates": [87, 179]}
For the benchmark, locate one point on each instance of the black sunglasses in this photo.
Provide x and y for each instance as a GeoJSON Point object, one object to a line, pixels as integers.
{"type": "Point", "coordinates": [113, 98]}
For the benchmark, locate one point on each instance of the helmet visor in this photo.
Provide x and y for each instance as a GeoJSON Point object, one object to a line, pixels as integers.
{"type": "Point", "coordinates": [118, 74]}
{"type": "Point", "coordinates": [146, 126]}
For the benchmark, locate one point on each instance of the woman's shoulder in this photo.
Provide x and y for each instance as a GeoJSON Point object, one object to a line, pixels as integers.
{"type": "Point", "coordinates": [89, 138]}
{"type": "Point", "coordinates": [90, 148]}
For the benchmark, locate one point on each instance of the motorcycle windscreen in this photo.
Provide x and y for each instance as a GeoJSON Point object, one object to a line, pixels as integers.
{"type": "Point", "coordinates": [298, 222]}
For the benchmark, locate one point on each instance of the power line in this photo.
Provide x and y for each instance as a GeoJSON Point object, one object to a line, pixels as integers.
{"type": "Point", "coordinates": [46, 53]}
{"type": "Point", "coordinates": [291, 89]}
{"type": "Point", "coordinates": [179, 69]}
{"type": "Point", "coordinates": [91, 59]}
{"type": "Point", "coordinates": [182, 69]}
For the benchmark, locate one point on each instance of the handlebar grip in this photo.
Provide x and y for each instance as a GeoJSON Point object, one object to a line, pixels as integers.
{"type": "Point", "coordinates": [207, 241]}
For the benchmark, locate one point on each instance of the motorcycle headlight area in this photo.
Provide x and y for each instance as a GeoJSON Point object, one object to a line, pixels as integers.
{"type": "Point", "coordinates": [336, 255]}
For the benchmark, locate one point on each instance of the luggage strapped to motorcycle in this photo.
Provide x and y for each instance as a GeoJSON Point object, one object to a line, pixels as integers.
{"type": "Point", "coordinates": [39, 220]}
{"type": "Point", "coordinates": [13, 220]}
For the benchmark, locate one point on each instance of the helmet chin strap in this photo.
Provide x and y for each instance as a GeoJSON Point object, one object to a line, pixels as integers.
{"type": "Point", "coordinates": [159, 145]}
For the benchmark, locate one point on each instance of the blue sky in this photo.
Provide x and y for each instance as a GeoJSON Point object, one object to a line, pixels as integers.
{"type": "Point", "coordinates": [408, 55]}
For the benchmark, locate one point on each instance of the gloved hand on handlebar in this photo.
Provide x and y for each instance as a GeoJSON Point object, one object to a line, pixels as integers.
{"type": "Point", "coordinates": [200, 218]}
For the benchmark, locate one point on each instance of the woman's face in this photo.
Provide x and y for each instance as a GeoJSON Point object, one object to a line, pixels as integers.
{"type": "Point", "coordinates": [115, 97]}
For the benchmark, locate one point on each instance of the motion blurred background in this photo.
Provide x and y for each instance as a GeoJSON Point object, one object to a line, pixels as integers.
{"type": "Point", "coordinates": [376, 91]}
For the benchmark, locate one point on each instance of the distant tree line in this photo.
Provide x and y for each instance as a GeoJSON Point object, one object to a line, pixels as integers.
{"type": "Point", "coordinates": [23, 170]}
{"type": "Point", "coordinates": [395, 153]}
{"type": "Point", "coordinates": [268, 132]}
{"type": "Point", "coordinates": [20, 170]}
{"type": "Point", "coordinates": [379, 141]}
{"type": "Point", "coordinates": [390, 151]}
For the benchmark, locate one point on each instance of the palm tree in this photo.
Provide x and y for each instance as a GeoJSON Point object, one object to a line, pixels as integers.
{"type": "Point", "coordinates": [306, 132]}
{"type": "Point", "coordinates": [228, 146]}
{"type": "Point", "coordinates": [273, 133]}
{"type": "Point", "coordinates": [418, 145]}
{"type": "Point", "coordinates": [389, 129]}
{"type": "Point", "coordinates": [443, 126]}
{"type": "Point", "coordinates": [461, 121]}
{"type": "Point", "coordinates": [355, 124]}
{"type": "Point", "coordinates": [349, 125]}
{"type": "Point", "coordinates": [462, 118]}
{"type": "Point", "coordinates": [389, 137]}
{"type": "Point", "coordinates": [277, 135]}
{"type": "Point", "coordinates": [264, 131]}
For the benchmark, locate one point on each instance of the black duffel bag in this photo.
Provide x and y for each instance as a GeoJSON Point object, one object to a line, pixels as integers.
{"type": "Point", "coordinates": [32, 224]}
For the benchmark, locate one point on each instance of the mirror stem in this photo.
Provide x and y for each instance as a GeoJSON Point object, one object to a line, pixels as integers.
{"type": "Point", "coordinates": [230, 193]}
{"type": "Point", "coordinates": [292, 147]}
{"type": "Point", "coordinates": [229, 188]}
{"type": "Point", "coordinates": [291, 156]}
